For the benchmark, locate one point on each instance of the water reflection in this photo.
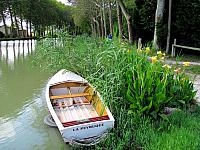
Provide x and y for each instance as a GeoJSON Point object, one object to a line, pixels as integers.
{"type": "Point", "coordinates": [12, 50]}
{"type": "Point", "coordinates": [22, 101]}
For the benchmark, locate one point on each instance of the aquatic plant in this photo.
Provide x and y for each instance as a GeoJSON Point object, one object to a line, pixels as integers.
{"type": "Point", "coordinates": [153, 85]}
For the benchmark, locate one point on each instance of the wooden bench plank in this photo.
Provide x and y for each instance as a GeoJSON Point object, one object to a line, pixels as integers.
{"type": "Point", "coordinates": [69, 96]}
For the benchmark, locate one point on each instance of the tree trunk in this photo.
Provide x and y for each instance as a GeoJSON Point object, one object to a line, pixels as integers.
{"type": "Point", "coordinates": [47, 30]}
{"type": "Point", "coordinates": [110, 18]}
{"type": "Point", "coordinates": [26, 28]}
{"type": "Point", "coordinates": [30, 28]}
{"type": "Point", "coordinates": [23, 34]}
{"type": "Point", "coordinates": [169, 26]}
{"type": "Point", "coordinates": [34, 34]}
{"type": "Point", "coordinates": [16, 23]}
{"type": "Point", "coordinates": [4, 23]}
{"type": "Point", "coordinates": [95, 29]}
{"type": "Point", "coordinates": [102, 27]}
{"type": "Point", "coordinates": [98, 27]}
{"type": "Point", "coordinates": [52, 31]}
{"type": "Point", "coordinates": [12, 22]}
{"type": "Point", "coordinates": [92, 28]}
{"type": "Point", "coordinates": [104, 19]}
{"type": "Point", "coordinates": [128, 20]}
{"type": "Point", "coordinates": [158, 19]}
{"type": "Point", "coordinates": [119, 18]}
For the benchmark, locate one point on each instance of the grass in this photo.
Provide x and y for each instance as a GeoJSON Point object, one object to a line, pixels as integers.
{"type": "Point", "coordinates": [182, 132]}
{"type": "Point", "coordinates": [193, 69]}
{"type": "Point", "coordinates": [104, 65]}
{"type": "Point", "coordinates": [188, 57]}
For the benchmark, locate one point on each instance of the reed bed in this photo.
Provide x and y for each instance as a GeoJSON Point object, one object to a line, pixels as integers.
{"type": "Point", "coordinates": [117, 70]}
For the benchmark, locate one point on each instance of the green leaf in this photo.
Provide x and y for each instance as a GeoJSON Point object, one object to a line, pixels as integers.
{"type": "Point", "coordinates": [181, 101]}
{"type": "Point", "coordinates": [164, 117]}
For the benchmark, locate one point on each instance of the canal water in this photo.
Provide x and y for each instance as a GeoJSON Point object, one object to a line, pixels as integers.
{"type": "Point", "coordinates": [22, 101]}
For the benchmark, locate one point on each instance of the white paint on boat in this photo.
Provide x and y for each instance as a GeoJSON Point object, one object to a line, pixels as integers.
{"type": "Point", "coordinates": [82, 112]}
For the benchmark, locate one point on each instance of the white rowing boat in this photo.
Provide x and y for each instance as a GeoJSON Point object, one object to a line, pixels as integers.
{"type": "Point", "coordinates": [77, 109]}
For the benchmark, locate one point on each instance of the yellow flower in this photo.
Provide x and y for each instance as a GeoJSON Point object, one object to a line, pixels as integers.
{"type": "Point", "coordinates": [159, 53]}
{"type": "Point", "coordinates": [139, 51]}
{"type": "Point", "coordinates": [177, 70]}
{"type": "Point", "coordinates": [167, 66]}
{"type": "Point", "coordinates": [154, 59]}
{"type": "Point", "coordinates": [162, 58]}
{"type": "Point", "coordinates": [186, 64]}
{"type": "Point", "coordinates": [147, 50]}
{"type": "Point", "coordinates": [163, 54]}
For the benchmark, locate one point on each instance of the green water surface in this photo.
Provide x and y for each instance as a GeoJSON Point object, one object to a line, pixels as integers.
{"type": "Point", "coordinates": [22, 104]}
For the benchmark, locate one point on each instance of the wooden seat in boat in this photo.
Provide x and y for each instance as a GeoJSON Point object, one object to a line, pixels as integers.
{"type": "Point", "coordinates": [69, 96]}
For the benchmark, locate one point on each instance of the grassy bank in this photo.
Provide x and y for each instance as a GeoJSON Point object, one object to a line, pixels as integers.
{"type": "Point", "coordinates": [110, 67]}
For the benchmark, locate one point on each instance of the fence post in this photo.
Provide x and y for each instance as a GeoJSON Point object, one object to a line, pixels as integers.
{"type": "Point", "coordinates": [173, 48]}
{"type": "Point", "coordinates": [140, 43]}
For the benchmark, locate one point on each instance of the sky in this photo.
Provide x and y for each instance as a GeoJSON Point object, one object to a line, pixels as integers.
{"type": "Point", "coordinates": [64, 2]}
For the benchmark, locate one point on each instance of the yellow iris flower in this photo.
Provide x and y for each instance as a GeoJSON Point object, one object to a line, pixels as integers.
{"type": "Point", "coordinates": [147, 50]}
{"type": "Point", "coordinates": [186, 64]}
{"type": "Point", "coordinates": [154, 59]}
{"type": "Point", "coordinates": [159, 53]}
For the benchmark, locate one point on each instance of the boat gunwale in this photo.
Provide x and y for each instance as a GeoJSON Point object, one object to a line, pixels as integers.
{"type": "Point", "coordinates": [55, 117]}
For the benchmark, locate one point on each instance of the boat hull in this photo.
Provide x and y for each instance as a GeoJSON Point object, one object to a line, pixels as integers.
{"type": "Point", "coordinates": [82, 130]}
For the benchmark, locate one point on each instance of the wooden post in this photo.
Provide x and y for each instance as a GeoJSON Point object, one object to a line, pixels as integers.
{"type": "Point", "coordinates": [169, 26]}
{"type": "Point", "coordinates": [173, 48]}
{"type": "Point", "coordinates": [140, 43]}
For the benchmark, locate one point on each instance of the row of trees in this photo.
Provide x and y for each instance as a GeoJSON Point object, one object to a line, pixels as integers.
{"type": "Point", "coordinates": [147, 19]}
{"type": "Point", "coordinates": [39, 15]}
{"type": "Point", "coordinates": [130, 19]}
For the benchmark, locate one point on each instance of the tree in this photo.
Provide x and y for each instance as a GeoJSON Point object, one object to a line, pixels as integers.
{"type": "Point", "coordinates": [2, 11]}
{"type": "Point", "coordinates": [119, 18]}
{"type": "Point", "coordinates": [128, 20]}
{"type": "Point", "coordinates": [110, 17]}
{"type": "Point", "coordinates": [158, 19]}
{"type": "Point", "coordinates": [169, 26]}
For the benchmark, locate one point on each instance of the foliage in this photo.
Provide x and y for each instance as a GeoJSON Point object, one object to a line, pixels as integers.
{"type": "Point", "coordinates": [144, 19]}
{"type": "Point", "coordinates": [184, 27]}
{"type": "Point", "coordinates": [181, 132]}
{"type": "Point", "coordinates": [107, 65]}
{"type": "Point", "coordinates": [39, 13]}
{"type": "Point", "coordinates": [153, 85]}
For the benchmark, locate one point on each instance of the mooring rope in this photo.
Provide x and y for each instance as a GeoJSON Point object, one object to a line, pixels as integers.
{"type": "Point", "coordinates": [49, 121]}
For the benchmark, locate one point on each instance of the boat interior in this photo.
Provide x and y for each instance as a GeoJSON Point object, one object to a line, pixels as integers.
{"type": "Point", "coordinates": [76, 103]}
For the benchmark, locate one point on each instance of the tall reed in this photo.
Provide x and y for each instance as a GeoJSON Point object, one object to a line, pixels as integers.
{"type": "Point", "coordinates": [127, 81]}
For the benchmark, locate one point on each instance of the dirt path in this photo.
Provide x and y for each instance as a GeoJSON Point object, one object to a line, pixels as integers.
{"type": "Point", "coordinates": [181, 62]}
{"type": "Point", "coordinates": [196, 81]}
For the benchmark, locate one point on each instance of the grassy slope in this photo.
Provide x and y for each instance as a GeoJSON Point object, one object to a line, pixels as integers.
{"type": "Point", "coordinates": [181, 133]}
{"type": "Point", "coordinates": [103, 65]}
